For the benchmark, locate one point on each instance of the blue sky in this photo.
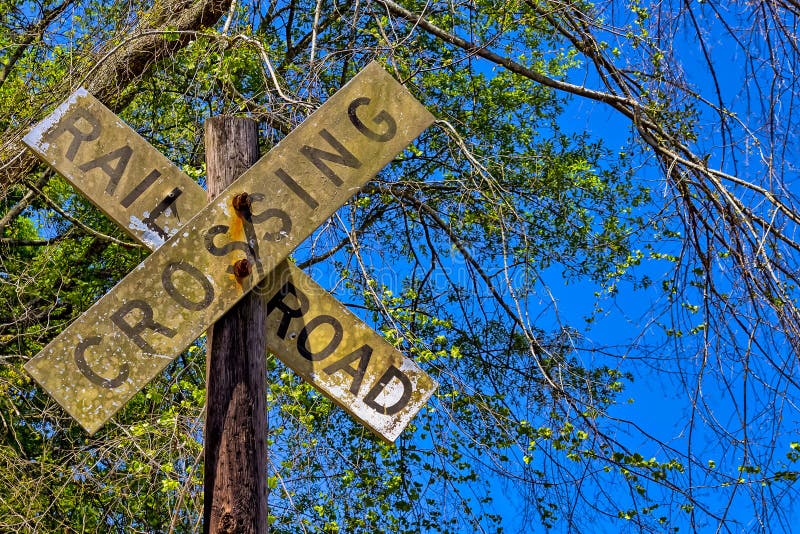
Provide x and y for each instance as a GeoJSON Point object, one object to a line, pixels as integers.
{"type": "Point", "coordinates": [634, 321]}
{"type": "Point", "coordinates": [663, 392]}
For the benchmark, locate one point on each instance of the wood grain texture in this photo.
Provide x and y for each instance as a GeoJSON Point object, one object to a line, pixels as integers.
{"type": "Point", "coordinates": [236, 417]}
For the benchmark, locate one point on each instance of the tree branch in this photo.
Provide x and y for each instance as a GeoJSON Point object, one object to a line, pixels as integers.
{"type": "Point", "coordinates": [119, 70]}
{"type": "Point", "coordinates": [32, 34]}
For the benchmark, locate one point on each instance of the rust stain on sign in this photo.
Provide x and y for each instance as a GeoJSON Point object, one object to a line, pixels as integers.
{"type": "Point", "coordinates": [238, 229]}
{"type": "Point", "coordinates": [127, 337]}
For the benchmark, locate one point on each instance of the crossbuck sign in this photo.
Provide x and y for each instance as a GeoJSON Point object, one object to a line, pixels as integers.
{"type": "Point", "coordinates": [128, 336]}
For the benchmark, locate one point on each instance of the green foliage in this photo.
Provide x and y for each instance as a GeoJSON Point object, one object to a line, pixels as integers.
{"type": "Point", "coordinates": [450, 253]}
{"type": "Point", "coordinates": [537, 189]}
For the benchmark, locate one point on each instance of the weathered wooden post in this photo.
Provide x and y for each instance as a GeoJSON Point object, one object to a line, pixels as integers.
{"type": "Point", "coordinates": [236, 419]}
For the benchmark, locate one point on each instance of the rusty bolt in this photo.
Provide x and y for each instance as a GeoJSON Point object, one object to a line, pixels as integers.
{"type": "Point", "coordinates": [242, 203]}
{"type": "Point", "coordinates": [242, 268]}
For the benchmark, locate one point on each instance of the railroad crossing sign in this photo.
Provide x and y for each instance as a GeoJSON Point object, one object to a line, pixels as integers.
{"type": "Point", "coordinates": [196, 272]}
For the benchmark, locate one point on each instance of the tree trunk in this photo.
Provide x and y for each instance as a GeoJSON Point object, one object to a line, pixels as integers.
{"type": "Point", "coordinates": [236, 418]}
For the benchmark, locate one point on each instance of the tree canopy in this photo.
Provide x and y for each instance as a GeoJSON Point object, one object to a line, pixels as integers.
{"type": "Point", "coordinates": [593, 250]}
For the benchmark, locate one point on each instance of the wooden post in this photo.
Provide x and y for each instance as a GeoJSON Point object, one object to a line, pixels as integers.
{"type": "Point", "coordinates": [235, 485]}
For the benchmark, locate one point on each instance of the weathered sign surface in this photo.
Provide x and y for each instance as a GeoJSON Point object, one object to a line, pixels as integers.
{"type": "Point", "coordinates": [326, 344]}
{"type": "Point", "coordinates": [130, 334]}
{"type": "Point", "coordinates": [114, 167]}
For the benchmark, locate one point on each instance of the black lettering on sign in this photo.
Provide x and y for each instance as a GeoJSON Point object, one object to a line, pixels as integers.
{"type": "Point", "coordinates": [114, 171]}
{"type": "Point", "coordinates": [180, 298]}
{"type": "Point", "coordinates": [297, 189]}
{"type": "Point", "coordinates": [381, 119]}
{"type": "Point", "coordinates": [166, 203]}
{"type": "Point", "coordinates": [363, 355]}
{"type": "Point", "coordinates": [274, 213]}
{"type": "Point", "coordinates": [278, 301]}
{"type": "Point", "coordinates": [318, 157]}
{"type": "Point", "coordinates": [87, 371]}
{"type": "Point", "coordinates": [146, 322]}
{"type": "Point", "coordinates": [305, 333]}
{"type": "Point", "coordinates": [143, 186]}
{"type": "Point", "coordinates": [225, 249]}
{"type": "Point", "coordinates": [391, 373]}
{"type": "Point", "coordinates": [80, 134]}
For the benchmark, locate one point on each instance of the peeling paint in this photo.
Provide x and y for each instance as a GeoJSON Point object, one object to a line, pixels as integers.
{"type": "Point", "coordinates": [390, 394]}
{"type": "Point", "coordinates": [36, 135]}
{"type": "Point", "coordinates": [149, 237]}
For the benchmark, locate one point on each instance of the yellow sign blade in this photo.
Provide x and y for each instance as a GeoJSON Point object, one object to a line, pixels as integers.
{"type": "Point", "coordinates": [128, 336]}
